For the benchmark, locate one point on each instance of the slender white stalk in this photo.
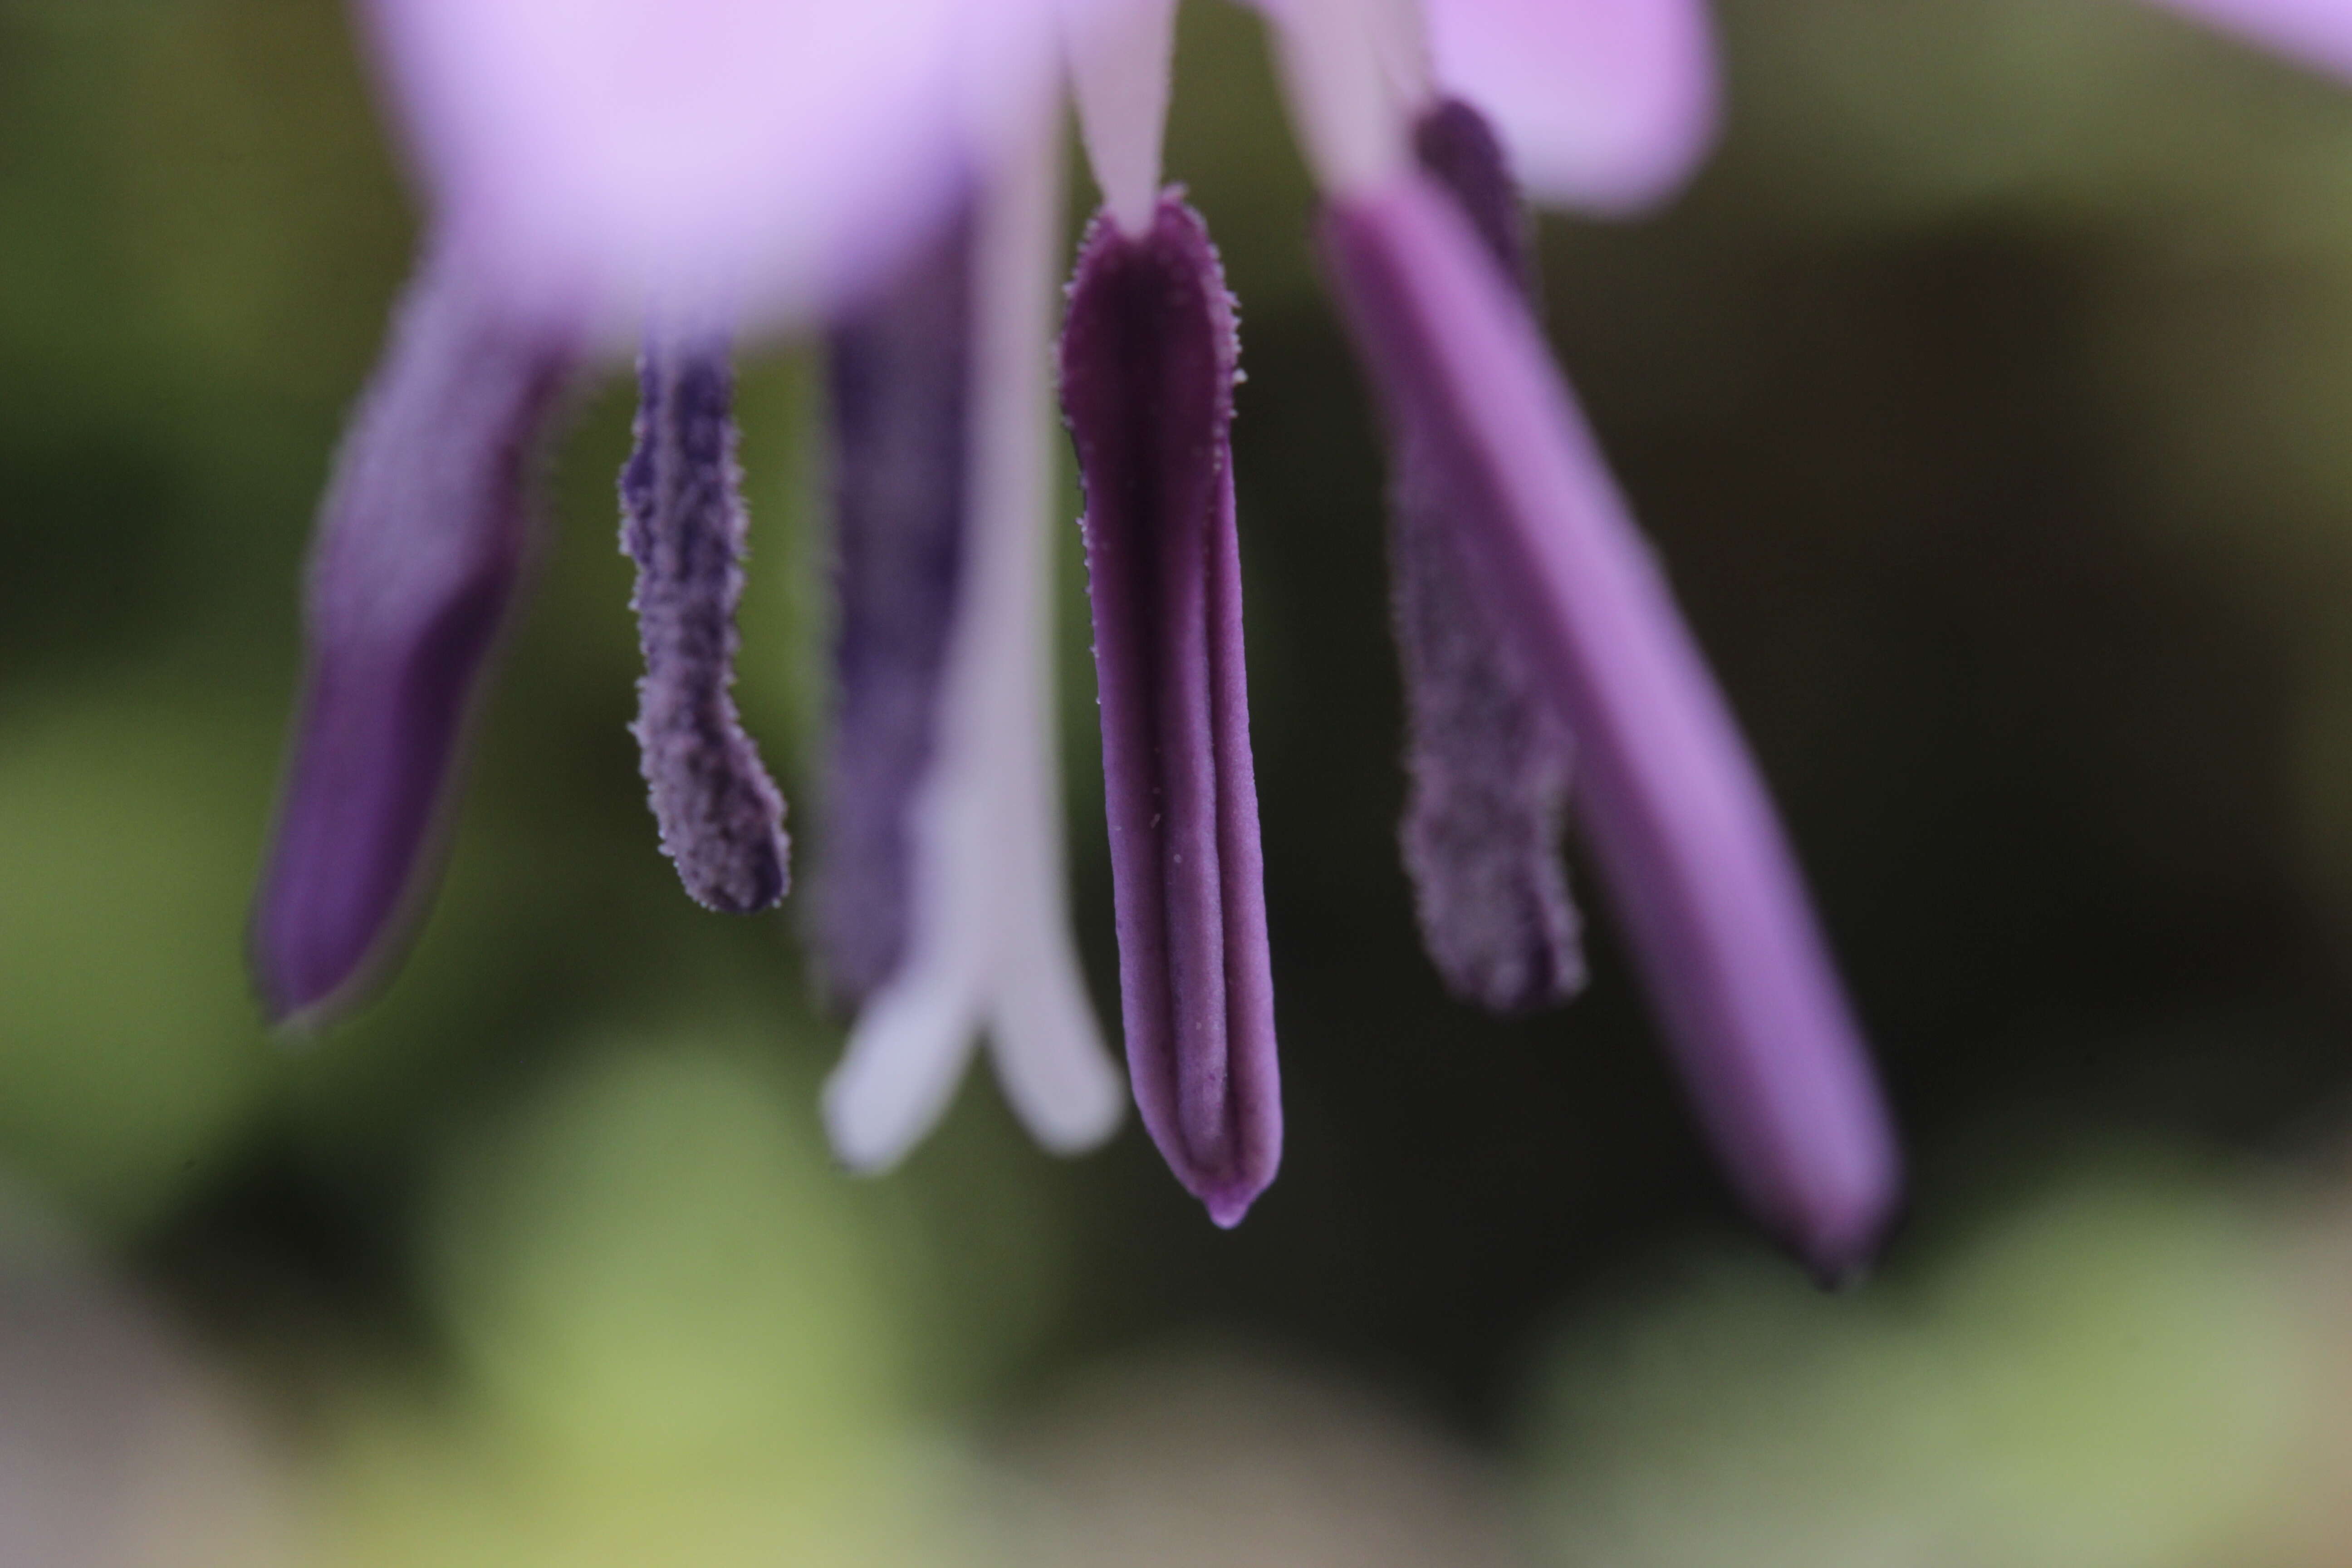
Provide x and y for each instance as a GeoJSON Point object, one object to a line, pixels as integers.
{"type": "Point", "coordinates": [1122, 61]}
{"type": "Point", "coordinates": [989, 940]}
{"type": "Point", "coordinates": [1340, 83]}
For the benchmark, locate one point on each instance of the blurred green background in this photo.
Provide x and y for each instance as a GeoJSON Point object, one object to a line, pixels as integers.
{"type": "Point", "coordinates": [1988, 398]}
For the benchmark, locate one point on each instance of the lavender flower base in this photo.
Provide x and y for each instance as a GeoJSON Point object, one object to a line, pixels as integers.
{"type": "Point", "coordinates": [721, 816]}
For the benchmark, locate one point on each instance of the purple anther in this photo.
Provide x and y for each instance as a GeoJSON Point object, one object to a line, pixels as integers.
{"type": "Point", "coordinates": [898, 373]}
{"type": "Point", "coordinates": [1456, 147]}
{"type": "Point", "coordinates": [1149, 361]}
{"type": "Point", "coordinates": [721, 816]}
{"type": "Point", "coordinates": [1708, 894]}
{"type": "Point", "coordinates": [422, 543]}
{"type": "Point", "coordinates": [1486, 759]}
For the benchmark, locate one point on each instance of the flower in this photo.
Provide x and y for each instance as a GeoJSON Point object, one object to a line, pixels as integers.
{"type": "Point", "coordinates": [2318, 32]}
{"type": "Point", "coordinates": [676, 171]}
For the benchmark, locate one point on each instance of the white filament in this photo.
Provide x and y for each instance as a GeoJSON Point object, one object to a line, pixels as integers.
{"type": "Point", "coordinates": [989, 941]}
{"type": "Point", "coordinates": [1121, 57]}
{"type": "Point", "coordinates": [1343, 98]}
{"type": "Point", "coordinates": [1400, 38]}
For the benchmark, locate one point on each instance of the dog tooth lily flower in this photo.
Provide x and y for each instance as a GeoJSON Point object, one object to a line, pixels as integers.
{"type": "Point", "coordinates": [599, 167]}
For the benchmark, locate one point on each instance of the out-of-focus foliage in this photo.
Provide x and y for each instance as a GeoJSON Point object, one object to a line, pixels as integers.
{"type": "Point", "coordinates": [2121, 1371]}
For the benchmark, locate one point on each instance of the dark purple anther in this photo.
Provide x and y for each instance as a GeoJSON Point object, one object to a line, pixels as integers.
{"type": "Point", "coordinates": [421, 545]}
{"type": "Point", "coordinates": [682, 522]}
{"type": "Point", "coordinates": [898, 373]}
{"type": "Point", "coordinates": [1149, 361]}
{"type": "Point", "coordinates": [1708, 894]}
{"type": "Point", "coordinates": [1457, 148]}
{"type": "Point", "coordinates": [1486, 759]}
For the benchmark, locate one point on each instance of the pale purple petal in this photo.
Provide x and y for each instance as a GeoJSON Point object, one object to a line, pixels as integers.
{"type": "Point", "coordinates": [1486, 757]}
{"type": "Point", "coordinates": [1605, 104]}
{"type": "Point", "coordinates": [422, 543]}
{"type": "Point", "coordinates": [754, 159]}
{"type": "Point", "coordinates": [2318, 32]}
{"type": "Point", "coordinates": [721, 816]}
{"type": "Point", "coordinates": [899, 369]}
{"type": "Point", "coordinates": [1703, 881]}
{"type": "Point", "coordinates": [1148, 357]}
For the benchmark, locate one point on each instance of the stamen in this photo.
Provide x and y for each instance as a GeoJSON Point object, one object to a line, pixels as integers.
{"type": "Point", "coordinates": [721, 816]}
{"type": "Point", "coordinates": [1457, 146]}
{"type": "Point", "coordinates": [899, 377]}
{"type": "Point", "coordinates": [421, 547]}
{"type": "Point", "coordinates": [1487, 759]}
{"type": "Point", "coordinates": [1149, 361]}
{"type": "Point", "coordinates": [1121, 57]}
{"type": "Point", "coordinates": [1713, 907]}
{"type": "Point", "coordinates": [1339, 73]}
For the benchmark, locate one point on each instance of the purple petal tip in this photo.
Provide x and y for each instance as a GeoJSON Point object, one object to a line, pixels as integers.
{"type": "Point", "coordinates": [421, 549]}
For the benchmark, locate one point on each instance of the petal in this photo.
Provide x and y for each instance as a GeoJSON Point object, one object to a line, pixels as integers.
{"type": "Point", "coordinates": [2318, 32]}
{"type": "Point", "coordinates": [1148, 369]}
{"type": "Point", "coordinates": [1702, 878]}
{"type": "Point", "coordinates": [1486, 757]}
{"type": "Point", "coordinates": [1605, 104]}
{"type": "Point", "coordinates": [899, 369]}
{"type": "Point", "coordinates": [751, 160]}
{"type": "Point", "coordinates": [421, 547]}
{"type": "Point", "coordinates": [721, 816]}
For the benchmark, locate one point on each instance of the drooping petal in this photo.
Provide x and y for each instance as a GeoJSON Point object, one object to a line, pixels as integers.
{"type": "Point", "coordinates": [1149, 360]}
{"type": "Point", "coordinates": [1605, 104]}
{"type": "Point", "coordinates": [988, 929]}
{"type": "Point", "coordinates": [900, 373]}
{"type": "Point", "coordinates": [422, 543]}
{"type": "Point", "coordinates": [1702, 878]}
{"type": "Point", "coordinates": [1487, 757]}
{"type": "Point", "coordinates": [721, 816]}
{"type": "Point", "coordinates": [2318, 32]}
{"type": "Point", "coordinates": [747, 160]}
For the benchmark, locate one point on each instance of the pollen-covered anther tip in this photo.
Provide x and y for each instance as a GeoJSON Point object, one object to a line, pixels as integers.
{"type": "Point", "coordinates": [1487, 757]}
{"type": "Point", "coordinates": [721, 816]}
